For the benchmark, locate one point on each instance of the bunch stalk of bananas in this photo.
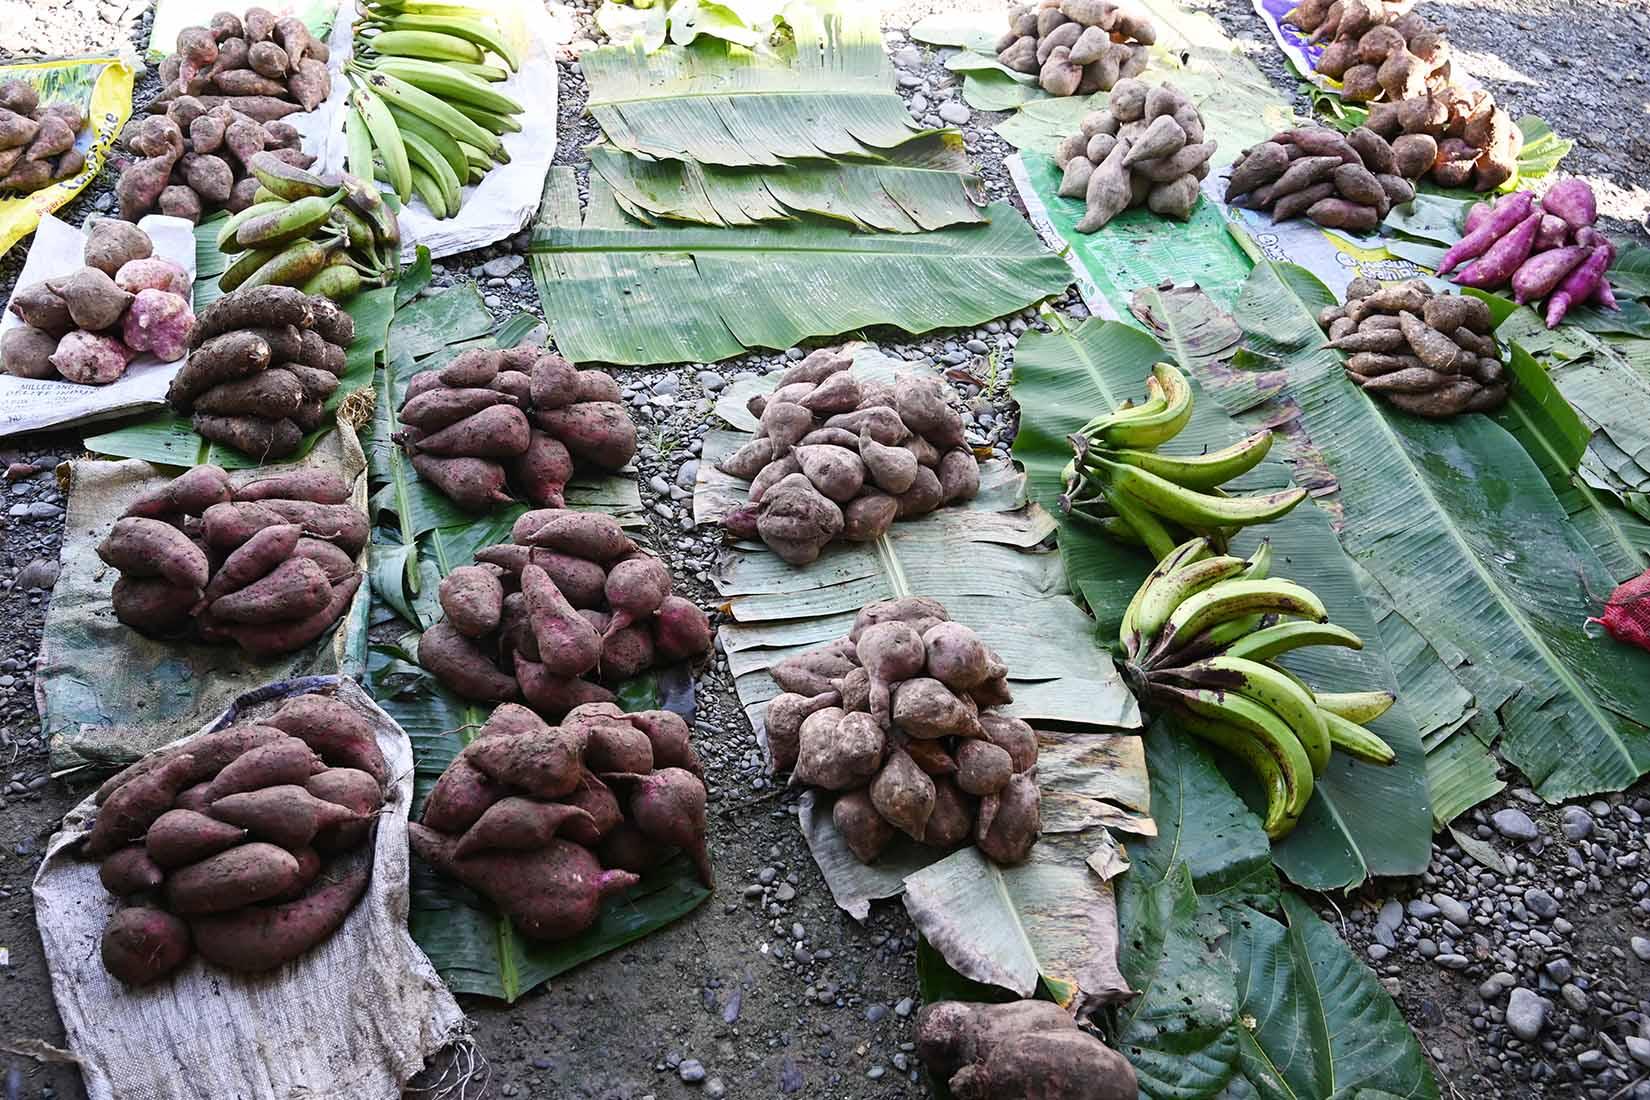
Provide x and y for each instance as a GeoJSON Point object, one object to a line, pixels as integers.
{"type": "Point", "coordinates": [1200, 641]}
{"type": "Point", "coordinates": [323, 234]}
{"type": "Point", "coordinates": [1159, 499]}
{"type": "Point", "coordinates": [424, 117]}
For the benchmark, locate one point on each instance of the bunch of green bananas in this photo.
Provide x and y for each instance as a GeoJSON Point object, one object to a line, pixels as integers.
{"type": "Point", "coordinates": [323, 234]}
{"type": "Point", "coordinates": [423, 114]}
{"type": "Point", "coordinates": [1159, 499]}
{"type": "Point", "coordinates": [1199, 641]}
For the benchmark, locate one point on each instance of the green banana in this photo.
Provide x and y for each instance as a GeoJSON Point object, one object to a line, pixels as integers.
{"type": "Point", "coordinates": [288, 180]}
{"type": "Point", "coordinates": [1159, 542]}
{"type": "Point", "coordinates": [433, 194]}
{"type": "Point", "coordinates": [439, 140]}
{"type": "Point", "coordinates": [336, 281]}
{"type": "Point", "coordinates": [424, 157]}
{"type": "Point", "coordinates": [1160, 426]}
{"type": "Point", "coordinates": [1184, 554]}
{"type": "Point", "coordinates": [243, 267]}
{"type": "Point", "coordinates": [1260, 562]}
{"type": "Point", "coordinates": [386, 138]}
{"type": "Point", "coordinates": [358, 144]}
{"type": "Point", "coordinates": [1262, 645]}
{"type": "Point", "coordinates": [1156, 401]}
{"type": "Point", "coordinates": [1268, 687]}
{"type": "Point", "coordinates": [1173, 590]}
{"type": "Point", "coordinates": [1357, 706]}
{"type": "Point", "coordinates": [489, 121]}
{"type": "Point", "coordinates": [1257, 756]}
{"type": "Point", "coordinates": [264, 194]}
{"type": "Point", "coordinates": [492, 74]}
{"type": "Point", "coordinates": [292, 265]}
{"type": "Point", "coordinates": [1259, 726]}
{"type": "Point", "coordinates": [449, 84]}
{"type": "Point", "coordinates": [227, 244]}
{"type": "Point", "coordinates": [432, 45]}
{"type": "Point", "coordinates": [416, 101]}
{"type": "Point", "coordinates": [1195, 509]}
{"type": "Point", "coordinates": [295, 220]}
{"type": "Point", "coordinates": [356, 229]}
{"type": "Point", "coordinates": [1232, 599]}
{"type": "Point", "coordinates": [1356, 741]}
{"type": "Point", "coordinates": [1202, 471]}
{"type": "Point", "coordinates": [471, 30]}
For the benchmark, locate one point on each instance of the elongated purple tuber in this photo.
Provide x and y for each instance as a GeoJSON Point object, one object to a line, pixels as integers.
{"type": "Point", "coordinates": [1573, 201]}
{"type": "Point", "coordinates": [1496, 266]}
{"type": "Point", "coordinates": [1537, 276]}
{"type": "Point", "coordinates": [1578, 286]}
{"type": "Point", "coordinates": [1508, 212]}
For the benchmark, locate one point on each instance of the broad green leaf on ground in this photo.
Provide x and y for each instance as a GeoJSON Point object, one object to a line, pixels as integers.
{"type": "Point", "coordinates": [702, 293]}
{"type": "Point", "coordinates": [1630, 272]}
{"type": "Point", "coordinates": [971, 30]}
{"type": "Point", "coordinates": [718, 104]}
{"type": "Point", "coordinates": [169, 440]}
{"type": "Point", "coordinates": [1458, 524]}
{"type": "Point", "coordinates": [1041, 124]}
{"type": "Point", "coordinates": [1050, 921]}
{"type": "Point", "coordinates": [1436, 219]}
{"type": "Point", "coordinates": [924, 184]}
{"type": "Point", "coordinates": [994, 88]}
{"type": "Point", "coordinates": [1362, 820]}
{"type": "Point", "coordinates": [474, 948]}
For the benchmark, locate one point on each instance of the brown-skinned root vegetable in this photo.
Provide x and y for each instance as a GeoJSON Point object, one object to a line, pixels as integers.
{"type": "Point", "coordinates": [954, 1034]}
{"type": "Point", "coordinates": [863, 829]}
{"type": "Point", "coordinates": [240, 876]}
{"type": "Point", "coordinates": [924, 707]}
{"type": "Point", "coordinates": [983, 768]}
{"type": "Point", "coordinates": [356, 791]}
{"type": "Point", "coordinates": [472, 598]}
{"type": "Point", "coordinates": [287, 761]}
{"type": "Point", "coordinates": [903, 794]}
{"type": "Point", "coordinates": [545, 763]}
{"type": "Point", "coordinates": [130, 871]}
{"type": "Point", "coordinates": [796, 521]}
{"type": "Point", "coordinates": [838, 751]}
{"type": "Point", "coordinates": [1012, 735]}
{"type": "Point", "coordinates": [460, 664]}
{"type": "Point", "coordinates": [551, 894]}
{"type": "Point", "coordinates": [951, 824]}
{"type": "Point", "coordinates": [670, 737]}
{"type": "Point", "coordinates": [1054, 1065]}
{"type": "Point", "coordinates": [518, 824]}
{"type": "Point", "coordinates": [208, 754]}
{"type": "Point", "coordinates": [460, 796]}
{"type": "Point", "coordinates": [181, 837]}
{"type": "Point", "coordinates": [263, 937]}
{"type": "Point", "coordinates": [287, 814]}
{"type": "Point", "coordinates": [1011, 821]}
{"type": "Point", "coordinates": [783, 723]}
{"type": "Point", "coordinates": [142, 945]}
{"type": "Point", "coordinates": [890, 653]}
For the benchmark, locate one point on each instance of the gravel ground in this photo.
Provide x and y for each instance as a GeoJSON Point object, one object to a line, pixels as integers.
{"type": "Point", "coordinates": [1529, 980]}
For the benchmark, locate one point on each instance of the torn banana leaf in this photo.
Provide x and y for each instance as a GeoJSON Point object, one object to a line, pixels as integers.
{"type": "Point", "coordinates": [831, 95]}
{"type": "Point", "coordinates": [925, 184]}
{"type": "Point", "coordinates": [634, 295]}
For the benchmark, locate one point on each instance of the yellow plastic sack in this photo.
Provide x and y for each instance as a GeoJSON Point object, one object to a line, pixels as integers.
{"type": "Point", "coordinates": [102, 87]}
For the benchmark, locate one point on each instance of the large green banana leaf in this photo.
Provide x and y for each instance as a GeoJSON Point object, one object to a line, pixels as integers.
{"type": "Point", "coordinates": [1459, 525]}
{"type": "Point", "coordinates": [634, 295]}
{"type": "Point", "coordinates": [1362, 820]}
{"type": "Point", "coordinates": [926, 183]}
{"type": "Point", "coordinates": [831, 96]}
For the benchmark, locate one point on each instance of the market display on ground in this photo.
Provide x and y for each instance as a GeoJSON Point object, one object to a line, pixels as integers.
{"type": "Point", "coordinates": [1098, 659]}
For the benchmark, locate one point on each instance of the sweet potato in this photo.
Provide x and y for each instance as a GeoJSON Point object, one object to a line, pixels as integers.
{"type": "Point", "coordinates": [242, 875]}
{"type": "Point", "coordinates": [472, 597]}
{"type": "Point", "coordinates": [111, 244]}
{"type": "Point", "coordinates": [314, 485]}
{"type": "Point", "coordinates": [285, 762]}
{"type": "Point", "coordinates": [356, 791]}
{"type": "Point", "coordinates": [519, 824]}
{"type": "Point", "coordinates": [635, 589]}
{"type": "Point", "coordinates": [286, 815]}
{"type": "Point", "coordinates": [601, 808]}
{"type": "Point", "coordinates": [837, 750]}
{"type": "Point", "coordinates": [1065, 1063]}
{"type": "Point", "coordinates": [283, 637]}
{"type": "Point", "coordinates": [460, 664]}
{"type": "Point", "coordinates": [153, 607]}
{"type": "Point", "coordinates": [129, 871]}
{"type": "Point", "coordinates": [224, 358]}
{"type": "Point", "coordinates": [568, 644]}
{"type": "Point", "coordinates": [27, 352]}
{"type": "Point", "coordinates": [499, 431]}
{"type": "Point", "coordinates": [295, 589]}
{"type": "Point", "coordinates": [142, 945]}
{"type": "Point", "coordinates": [263, 937]}
{"type": "Point", "coordinates": [92, 298]}
{"type": "Point", "coordinates": [1012, 735]}
{"type": "Point", "coordinates": [340, 524]}
{"type": "Point", "coordinates": [543, 470]}
{"type": "Point", "coordinates": [669, 808]}
{"type": "Point", "coordinates": [91, 358]}
{"type": "Point", "coordinates": [593, 536]}
{"type": "Point", "coordinates": [144, 547]}
{"type": "Point", "coordinates": [190, 493]}
{"type": "Point", "coordinates": [600, 433]}
{"type": "Point", "coordinates": [437, 408]}
{"type": "Point", "coordinates": [1010, 822]}
{"type": "Point", "coordinates": [181, 837]}
{"type": "Point", "coordinates": [476, 484]}
{"type": "Point", "coordinates": [544, 763]}
{"type": "Point", "coordinates": [460, 797]}
{"type": "Point", "coordinates": [924, 707]}
{"type": "Point", "coordinates": [554, 695]}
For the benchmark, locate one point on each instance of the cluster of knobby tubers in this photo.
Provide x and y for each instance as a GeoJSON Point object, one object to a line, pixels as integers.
{"type": "Point", "coordinates": [1377, 50]}
{"type": "Point", "coordinates": [836, 457]}
{"type": "Point", "coordinates": [548, 821]}
{"type": "Point", "coordinates": [262, 363]}
{"type": "Point", "coordinates": [891, 717]}
{"type": "Point", "coordinates": [87, 327]}
{"type": "Point", "coordinates": [1552, 250]}
{"type": "Point", "coordinates": [249, 845]}
{"type": "Point", "coordinates": [1471, 141]}
{"type": "Point", "coordinates": [196, 159]}
{"type": "Point", "coordinates": [1075, 47]}
{"type": "Point", "coordinates": [269, 565]}
{"type": "Point", "coordinates": [36, 143]}
{"type": "Point", "coordinates": [1340, 181]}
{"type": "Point", "coordinates": [1146, 147]}
{"type": "Point", "coordinates": [1429, 354]}
{"type": "Point", "coordinates": [1019, 1049]}
{"type": "Point", "coordinates": [525, 414]}
{"type": "Point", "coordinates": [263, 65]}
{"type": "Point", "coordinates": [569, 596]}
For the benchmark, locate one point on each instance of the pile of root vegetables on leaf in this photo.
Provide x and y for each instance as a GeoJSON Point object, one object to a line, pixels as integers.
{"type": "Point", "coordinates": [88, 327]}
{"type": "Point", "coordinates": [522, 418]}
{"type": "Point", "coordinates": [1146, 148]}
{"type": "Point", "coordinates": [837, 457]}
{"type": "Point", "coordinates": [268, 565]}
{"type": "Point", "coordinates": [549, 821]}
{"type": "Point", "coordinates": [894, 718]}
{"type": "Point", "coordinates": [248, 845]}
{"type": "Point", "coordinates": [37, 141]}
{"type": "Point", "coordinates": [195, 160]}
{"type": "Point", "coordinates": [264, 65]}
{"type": "Point", "coordinates": [565, 611]}
{"type": "Point", "coordinates": [1342, 182]}
{"type": "Point", "coordinates": [1076, 47]}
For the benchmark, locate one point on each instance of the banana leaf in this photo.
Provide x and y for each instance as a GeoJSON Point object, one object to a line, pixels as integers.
{"type": "Point", "coordinates": [831, 95]}
{"type": "Point", "coordinates": [925, 184]}
{"type": "Point", "coordinates": [1362, 820]}
{"type": "Point", "coordinates": [702, 293]}
{"type": "Point", "coordinates": [969, 30]}
{"type": "Point", "coordinates": [1459, 525]}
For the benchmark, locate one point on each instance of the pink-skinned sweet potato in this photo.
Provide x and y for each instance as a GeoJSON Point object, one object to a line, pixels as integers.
{"type": "Point", "coordinates": [635, 588]}
{"type": "Point", "coordinates": [681, 631]}
{"type": "Point", "coordinates": [150, 548]}
{"type": "Point", "coordinates": [339, 566]}
{"type": "Point", "coordinates": [568, 645]}
{"type": "Point", "coordinates": [1011, 821]}
{"type": "Point", "coordinates": [593, 536]}
{"type": "Point", "coordinates": [864, 830]}
{"type": "Point", "coordinates": [552, 695]}
{"type": "Point", "coordinates": [951, 824]}
{"type": "Point", "coordinates": [1068, 1065]}
{"type": "Point", "coordinates": [208, 753]}
{"type": "Point", "coordinates": [460, 797]}
{"type": "Point", "coordinates": [903, 794]}
{"type": "Point", "coordinates": [314, 485]}
{"type": "Point", "coordinates": [132, 807]}
{"type": "Point", "coordinates": [460, 664]}
{"type": "Point", "coordinates": [499, 431]}
{"type": "Point", "coordinates": [601, 806]}
{"type": "Point", "coordinates": [551, 894]}
{"type": "Point", "coordinates": [954, 1034]}
{"type": "Point", "coordinates": [287, 761]}
{"type": "Point", "coordinates": [242, 875]}
{"type": "Point", "coordinates": [626, 652]}
{"type": "Point", "coordinates": [671, 739]}
{"type": "Point", "coordinates": [838, 751]}
{"type": "Point", "coordinates": [287, 815]}
{"type": "Point", "coordinates": [273, 639]}
{"type": "Point", "coordinates": [295, 589]}
{"type": "Point", "coordinates": [520, 825]}
{"type": "Point", "coordinates": [190, 493]}
{"type": "Point", "coordinates": [924, 707]}
{"type": "Point", "coordinates": [889, 652]}
{"type": "Point", "coordinates": [811, 672]}
{"type": "Point", "coordinates": [129, 871]}
{"type": "Point", "coordinates": [475, 484]}
{"type": "Point", "coordinates": [599, 433]}
{"type": "Point", "coordinates": [545, 763]}
{"type": "Point", "coordinates": [783, 721]}
{"type": "Point", "coordinates": [142, 945]}
{"type": "Point", "coordinates": [1012, 735]}
{"type": "Point", "coordinates": [543, 470]}
{"type": "Point", "coordinates": [181, 837]}
{"type": "Point", "coordinates": [617, 746]}
{"type": "Point", "coordinates": [627, 848]}
{"type": "Point", "coordinates": [582, 582]}
{"type": "Point", "coordinates": [153, 607]}
{"type": "Point", "coordinates": [669, 808]}
{"type": "Point", "coordinates": [472, 597]}
{"type": "Point", "coordinates": [255, 558]}
{"type": "Point", "coordinates": [262, 937]}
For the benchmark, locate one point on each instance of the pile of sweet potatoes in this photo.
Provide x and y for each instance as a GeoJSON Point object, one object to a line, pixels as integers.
{"type": "Point", "coordinates": [1550, 250]}
{"type": "Point", "coordinates": [1376, 50]}
{"type": "Point", "coordinates": [524, 417]}
{"type": "Point", "coordinates": [249, 845]}
{"type": "Point", "coordinates": [195, 159]}
{"type": "Point", "coordinates": [548, 821]}
{"type": "Point", "coordinates": [262, 362]}
{"type": "Point", "coordinates": [1075, 47]}
{"type": "Point", "coordinates": [268, 564]}
{"type": "Point", "coordinates": [265, 66]}
{"type": "Point", "coordinates": [37, 143]}
{"type": "Point", "coordinates": [1146, 148]}
{"type": "Point", "coordinates": [1340, 181]}
{"type": "Point", "coordinates": [88, 326]}
{"type": "Point", "coordinates": [894, 717]}
{"type": "Point", "coordinates": [835, 457]}
{"type": "Point", "coordinates": [1430, 354]}
{"type": "Point", "coordinates": [1472, 142]}
{"type": "Point", "coordinates": [1019, 1049]}
{"type": "Point", "coordinates": [567, 605]}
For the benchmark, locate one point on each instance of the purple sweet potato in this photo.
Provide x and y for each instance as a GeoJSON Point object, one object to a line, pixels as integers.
{"type": "Point", "coordinates": [500, 431]}
{"type": "Point", "coordinates": [262, 937]}
{"type": "Point", "coordinates": [286, 815]}
{"type": "Point", "coordinates": [593, 536]}
{"type": "Point", "coordinates": [1014, 736]}
{"type": "Point", "coordinates": [861, 826]}
{"type": "Point", "coordinates": [783, 721]}
{"type": "Point", "coordinates": [635, 589]}
{"type": "Point", "coordinates": [553, 695]}
{"type": "Point", "coordinates": [669, 808]}
{"type": "Point", "coordinates": [1010, 822]}
{"type": "Point", "coordinates": [434, 409]}
{"type": "Point", "coordinates": [460, 664]}
{"type": "Point", "coordinates": [257, 557]}
{"type": "Point", "coordinates": [472, 597]}
{"type": "Point", "coordinates": [600, 805]}
{"type": "Point", "coordinates": [129, 871]}
{"type": "Point", "coordinates": [243, 875]}
{"type": "Point", "coordinates": [460, 797]}
{"type": "Point", "coordinates": [353, 789]}
{"type": "Point", "coordinates": [209, 754]}
{"type": "Point", "coordinates": [520, 825]}
{"type": "Point", "coordinates": [181, 837]}
{"type": "Point", "coordinates": [341, 524]}
{"type": "Point", "coordinates": [670, 737]}
{"type": "Point", "coordinates": [132, 807]}
{"type": "Point", "coordinates": [543, 470]}
{"type": "Point", "coordinates": [143, 945]}
{"type": "Point", "coordinates": [567, 643]}
{"type": "Point", "coordinates": [1496, 266]}
{"type": "Point", "coordinates": [283, 762]}
{"type": "Point", "coordinates": [681, 631]}
{"type": "Point", "coordinates": [1537, 276]}
{"type": "Point", "coordinates": [314, 485]}
{"type": "Point", "coordinates": [626, 652]}
{"type": "Point", "coordinates": [1572, 200]}
{"type": "Point", "coordinates": [1493, 224]}
{"type": "Point", "coordinates": [545, 763]}
{"type": "Point", "coordinates": [295, 589]}
{"type": "Point", "coordinates": [1579, 285]}
{"type": "Point", "coordinates": [476, 484]}
{"type": "Point", "coordinates": [272, 639]}
{"type": "Point", "coordinates": [600, 433]}
{"type": "Point", "coordinates": [190, 493]}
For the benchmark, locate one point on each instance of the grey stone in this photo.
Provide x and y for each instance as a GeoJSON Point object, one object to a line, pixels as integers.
{"type": "Point", "coordinates": [1452, 961]}
{"type": "Point", "coordinates": [1422, 910]}
{"type": "Point", "coordinates": [691, 1071]}
{"type": "Point", "coordinates": [501, 266]}
{"type": "Point", "coordinates": [1527, 1013]}
{"type": "Point", "coordinates": [1514, 824]}
{"type": "Point", "coordinates": [908, 58]}
{"type": "Point", "coordinates": [1541, 903]}
{"type": "Point", "coordinates": [1641, 948]}
{"type": "Point", "coordinates": [1639, 1049]}
{"type": "Point", "coordinates": [1591, 1060]}
{"type": "Point", "coordinates": [955, 113]}
{"type": "Point", "coordinates": [715, 1089]}
{"type": "Point", "coordinates": [1559, 970]}
{"type": "Point", "coordinates": [1453, 910]}
{"type": "Point", "coordinates": [1391, 914]}
{"type": "Point", "coordinates": [1576, 822]}
{"type": "Point", "coordinates": [903, 1009]}
{"type": "Point", "coordinates": [1377, 951]}
{"type": "Point", "coordinates": [39, 573]}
